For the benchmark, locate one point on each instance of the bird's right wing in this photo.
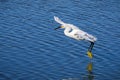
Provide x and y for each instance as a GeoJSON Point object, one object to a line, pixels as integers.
{"type": "Point", "coordinates": [58, 20]}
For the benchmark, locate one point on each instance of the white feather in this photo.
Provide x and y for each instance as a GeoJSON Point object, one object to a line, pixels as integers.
{"type": "Point", "coordinates": [74, 32]}
{"type": "Point", "coordinates": [58, 20]}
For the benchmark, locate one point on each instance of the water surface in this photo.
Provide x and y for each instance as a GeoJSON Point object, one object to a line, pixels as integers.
{"type": "Point", "coordinates": [32, 50]}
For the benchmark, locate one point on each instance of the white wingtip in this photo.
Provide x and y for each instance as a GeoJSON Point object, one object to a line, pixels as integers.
{"type": "Point", "coordinates": [55, 17]}
{"type": "Point", "coordinates": [58, 20]}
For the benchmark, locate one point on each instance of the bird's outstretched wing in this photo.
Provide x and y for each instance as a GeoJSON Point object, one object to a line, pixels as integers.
{"type": "Point", "coordinates": [65, 24]}
{"type": "Point", "coordinates": [58, 20]}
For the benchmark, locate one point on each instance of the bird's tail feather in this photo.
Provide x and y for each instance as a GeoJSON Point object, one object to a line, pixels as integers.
{"type": "Point", "coordinates": [58, 20]}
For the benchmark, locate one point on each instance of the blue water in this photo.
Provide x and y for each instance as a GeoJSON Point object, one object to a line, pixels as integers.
{"type": "Point", "coordinates": [30, 48]}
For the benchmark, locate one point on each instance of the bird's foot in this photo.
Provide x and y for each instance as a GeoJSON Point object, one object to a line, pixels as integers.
{"type": "Point", "coordinates": [90, 55]}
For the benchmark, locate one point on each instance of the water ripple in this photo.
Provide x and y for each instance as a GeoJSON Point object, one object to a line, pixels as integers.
{"type": "Point", "coordinates": [31, 49]}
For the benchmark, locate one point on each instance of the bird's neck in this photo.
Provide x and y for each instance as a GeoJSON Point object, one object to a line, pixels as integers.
{"type": "Point", "coordinates": [67, 31]}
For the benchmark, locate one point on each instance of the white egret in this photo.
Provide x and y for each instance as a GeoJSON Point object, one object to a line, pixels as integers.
{"type": "Point", "coordinates": [76, 33]}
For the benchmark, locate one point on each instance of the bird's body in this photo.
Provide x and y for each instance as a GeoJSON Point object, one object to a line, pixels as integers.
{"type": "Point", "coordinates": [74, 32]}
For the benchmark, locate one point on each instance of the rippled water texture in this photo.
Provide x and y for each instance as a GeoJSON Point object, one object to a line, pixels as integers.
{"type": "Point", "coordinates": [30, 48]}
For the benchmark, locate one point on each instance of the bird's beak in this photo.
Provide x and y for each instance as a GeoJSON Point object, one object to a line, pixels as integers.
{"type": "Point", "coordinates": [57, 27]}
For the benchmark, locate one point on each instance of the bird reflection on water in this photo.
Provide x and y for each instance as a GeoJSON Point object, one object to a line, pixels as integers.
{"type": "Point", "coordinates": [88, 76]}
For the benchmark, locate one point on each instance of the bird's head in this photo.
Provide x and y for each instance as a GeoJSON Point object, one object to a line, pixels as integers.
{"type": "Point", "coordinates": [60, 27]}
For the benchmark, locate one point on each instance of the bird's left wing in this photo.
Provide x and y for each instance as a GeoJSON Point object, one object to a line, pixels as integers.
{"type": "Point", "coordinates": [58, 20]}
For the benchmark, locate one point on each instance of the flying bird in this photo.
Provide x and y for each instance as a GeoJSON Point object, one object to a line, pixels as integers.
{"type": "Point", "coordinates": [74, 32]}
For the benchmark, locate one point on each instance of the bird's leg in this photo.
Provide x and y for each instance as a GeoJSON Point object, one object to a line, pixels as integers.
{"type": "Point", "coordinates": [91, 46]}
{"type": "Point", "coordinates": [89, 53]}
